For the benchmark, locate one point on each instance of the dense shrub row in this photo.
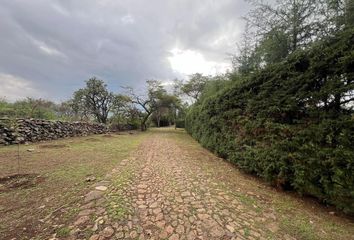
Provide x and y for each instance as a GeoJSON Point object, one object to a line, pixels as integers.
{"type": "Point", "coordinates": [291, 123]}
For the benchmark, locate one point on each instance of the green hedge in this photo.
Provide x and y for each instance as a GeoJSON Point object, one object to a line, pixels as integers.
{"type": "Point", "coordinates": [180, 123]}
{"type": "Point", "coordinates": [291, 123]}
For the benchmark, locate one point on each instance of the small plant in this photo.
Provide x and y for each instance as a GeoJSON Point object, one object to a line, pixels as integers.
{"type": "Point", "coordinates": [247, 232]}
{"type": "Point", "coordinates": [63, 232]}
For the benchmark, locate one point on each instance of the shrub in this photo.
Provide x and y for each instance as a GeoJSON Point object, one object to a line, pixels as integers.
{"type": "Point", "coordinates": [180, 123]}
{"type": "Point", "coordinates": [290, 123]}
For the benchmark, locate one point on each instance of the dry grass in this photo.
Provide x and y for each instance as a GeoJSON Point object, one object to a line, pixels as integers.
{"type": "Point", "coordinates": [63, 167]}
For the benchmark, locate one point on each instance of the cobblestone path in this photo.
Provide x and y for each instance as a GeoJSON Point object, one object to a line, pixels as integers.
{"type": "Point", "coordinates": [167, 190]}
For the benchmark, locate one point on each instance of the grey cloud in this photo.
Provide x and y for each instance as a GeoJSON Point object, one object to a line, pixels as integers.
{"type": "Point", "coordinates": [57, 44]}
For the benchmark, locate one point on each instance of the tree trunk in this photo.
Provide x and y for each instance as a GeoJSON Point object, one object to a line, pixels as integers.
{"type": "Point", "coordinates": [143, 127]}
{"type": "Point", "coordinates": [143, 123]}
{"type": "Point", "coordinates": [158, 120]}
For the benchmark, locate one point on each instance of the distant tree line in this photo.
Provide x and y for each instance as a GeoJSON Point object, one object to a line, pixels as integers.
{"type": "Point", "coordinates": [94, 102]}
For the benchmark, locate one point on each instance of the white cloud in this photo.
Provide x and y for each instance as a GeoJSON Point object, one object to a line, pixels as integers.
{"type": "Point", "coordinates": [44, 48]}
{"type": "Point", "coordinates": [50, 51]}
{"type": "Point", "coordinates": [188, 62]}
{"type": "Point", "coordinates": [127, 19]}
{"type": "Point", "coordinates": [14, 88]}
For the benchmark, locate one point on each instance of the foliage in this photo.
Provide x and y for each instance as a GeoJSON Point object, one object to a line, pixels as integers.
{"type": "Point", "coordinates": [275, 29]}
{"type": "Point", "coordinates": [29, 108]}
{"type": "Point", "coordinates": [290, 123]}
{"type": "Point", "coordinates": [94, 99]}
{"type": "Point", "coordinates": [194, 86]}
{"type": "Point", "coordinates": [180, 123]}
{"type": "Point", "coordinates": [157, 104]}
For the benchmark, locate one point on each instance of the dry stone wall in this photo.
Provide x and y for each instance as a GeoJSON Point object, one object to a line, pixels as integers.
{"type": "Point", "coordinates": [33, 130]}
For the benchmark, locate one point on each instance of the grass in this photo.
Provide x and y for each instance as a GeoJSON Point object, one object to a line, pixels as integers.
{"type": "Point", "coordinates": [64, 171]}
{"type": "Point", "coordinates": [246, 232]}
{"type": "Point", "coordinates": [63, 232]}
{"type": "Point", "coordinates": [118, 203]}
{"type": "Point", "coordinates": [299, 228]}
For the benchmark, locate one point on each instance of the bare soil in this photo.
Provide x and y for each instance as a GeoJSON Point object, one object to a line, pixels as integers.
{"type": "Point", "coordinates": [53, 146]}
{"type": "Point", "coordinates": [36, 202]}
{"type": "Point", "coordinates": [19, 181]}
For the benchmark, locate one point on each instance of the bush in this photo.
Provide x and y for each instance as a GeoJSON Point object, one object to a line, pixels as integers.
{"type": "Point", "coordinates": [180, 123]}
{"type": "Point", "coordinates": [290, 123]}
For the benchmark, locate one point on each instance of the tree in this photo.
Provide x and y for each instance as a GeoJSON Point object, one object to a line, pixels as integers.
{"type": "Point", "coordinates": [149, 101]}
{"type": "Point", "coordinates": [166, 107]}
{"type": "Point", "coordinates": [35, 108]}
{"type": "Point", "coordinates": [94, 99]}
{"type": "Point", "coordinates": [70, 111]}
{"type": "Point", "coordinates": [121, 108]}
{"type": "Point", "coordinates": [297, 19]}
{"type": "Point", "coordinates": [274, 47]}
{"type": "Point", "coordinates": [194, 86]}
{"type": "Point", "coordinates": [6, 108]}
{"type": "Point", "coordinates": [29, 108]}
{"type": "Point", "coordinates": [246, 60]}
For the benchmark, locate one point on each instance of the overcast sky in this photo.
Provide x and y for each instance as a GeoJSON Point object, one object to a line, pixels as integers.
{"type": "Point", "coordinates": [48, 48]}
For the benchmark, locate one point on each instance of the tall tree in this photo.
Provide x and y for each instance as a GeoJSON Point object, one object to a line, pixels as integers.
{"type": "Point", "coordinates": [149, 101]}
{"type": "Point", "coordinates": [194, 86]}
{"type": "Point", "coordinates": [297, 19]}
{"type": "Point", "coordinates": [247, 59]}
{"type": "Point", "coordinates": [95, 99]}
{"type": "Point", "coordinates": [121, 108]}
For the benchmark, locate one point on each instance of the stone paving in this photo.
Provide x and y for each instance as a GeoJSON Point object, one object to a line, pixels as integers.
{"type": "Point", "coordinates": [162, 192]}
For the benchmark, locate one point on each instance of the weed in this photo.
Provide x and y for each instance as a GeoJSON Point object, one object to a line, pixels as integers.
{"type": "Point", "coordinates": [63, 232]}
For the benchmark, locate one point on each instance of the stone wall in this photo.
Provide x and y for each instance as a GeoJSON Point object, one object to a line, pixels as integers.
{"type": "Point", "coordinates": [33, 130]}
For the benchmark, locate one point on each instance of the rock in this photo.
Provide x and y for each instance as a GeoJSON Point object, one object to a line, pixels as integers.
{"type": "Point", "coordinates": [133, 234]}
{"type": "Point", "coordinates": [86, 212]}
{"type": "Point", "coordinates": [30, 150]}
{"type": "Point", "coordinates": [180, 229]}
{"type": "Point", "coordinates": [169, 230]}
{"type": "Point", "coordinates": [217, 232]}
{"type": "Point", "coordinates": [154, 205]}
{"type": "Point", "coordinates": [90, 179]}
{"type": "Point", "coordinates": [174, 237]}
{"type": "Point", "coordinates": [94, 237]}
{"type": "Point", "coordinates": [120, 235]}
{"type": "Point", "coordinates": [101, 188]}
{"type": "Point", "coordinates": [107, 232]}
{"type": "Point", "coordinates": [191, 235]}
{"type": "Point", "coordinates": [230, 228]}
{"type": "Point", "coordinates": [93, 195]}
{"type": "Point", "coordinates": [81, 220]}
{"type": "Point", "coordinates": [203, 217]}
{"type": "Point", "coordinates": [273, 227]}
{"type": "Point", "coordinates": [185, 194]}
{"type": "Point", "coordinates": [32, 130]}
{"type": "Point", "coordinates": [95, 227]}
